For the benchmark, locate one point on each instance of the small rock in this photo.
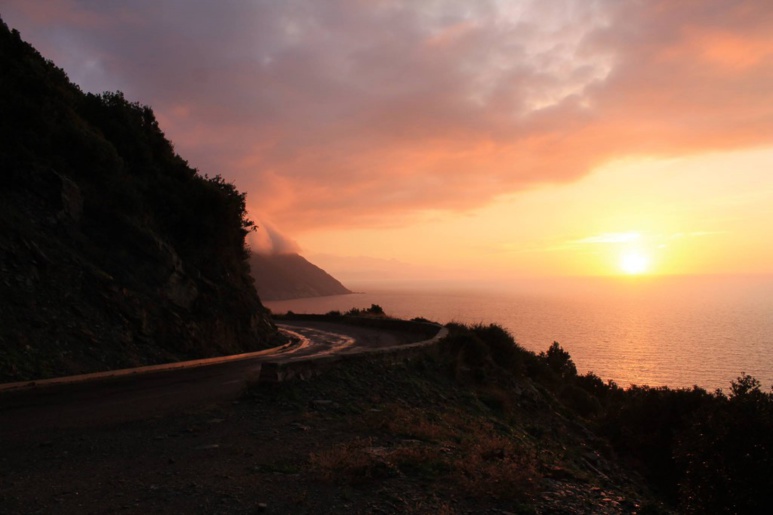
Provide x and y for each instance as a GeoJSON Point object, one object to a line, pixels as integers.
{"type": "Point", "coordinates": [262, 507]}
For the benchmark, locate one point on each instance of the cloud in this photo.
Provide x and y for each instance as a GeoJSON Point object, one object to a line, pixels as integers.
{"type": "Point", "coordinates": [610, 237]}
{"type": "Point", "coordinates": [364, 113]}
{"type": "Point", "coordinates": [267, 239]}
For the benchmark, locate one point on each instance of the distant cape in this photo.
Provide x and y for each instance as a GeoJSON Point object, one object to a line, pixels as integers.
{"type": "Point", "coordinates": [290, 276]}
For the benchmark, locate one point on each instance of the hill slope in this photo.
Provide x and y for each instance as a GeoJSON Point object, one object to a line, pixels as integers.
{"type": "Point", "coordinates": [113, 251]}
{"type": "Point", "coordinates": [290, 276]}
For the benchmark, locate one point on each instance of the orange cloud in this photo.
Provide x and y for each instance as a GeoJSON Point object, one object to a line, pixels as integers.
{"type": "Point", "coordinates": [358, 113]}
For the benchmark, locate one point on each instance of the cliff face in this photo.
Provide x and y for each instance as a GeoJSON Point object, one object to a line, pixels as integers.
{"type": "Point", "coordinates": [290, 276]}
{"type": "Point", "coordinates": [113, 251]}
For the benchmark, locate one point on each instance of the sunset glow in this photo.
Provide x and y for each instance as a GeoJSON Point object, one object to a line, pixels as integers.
{"type": "Point", "coordinates": [492, 139]}
{"type": "Point", "coordinates": [552, 218]}
{"type": "Point", "coordinates": [634, 262]}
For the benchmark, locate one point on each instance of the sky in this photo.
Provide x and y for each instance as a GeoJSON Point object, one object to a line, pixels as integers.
{"type": "Point", "coordinates": [444, 139]}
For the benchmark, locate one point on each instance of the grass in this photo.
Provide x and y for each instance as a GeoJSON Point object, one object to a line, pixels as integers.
{"type": "Point", "coordinates": [453, 429]}
{"type": "Point", "coordinates": [450, 446]}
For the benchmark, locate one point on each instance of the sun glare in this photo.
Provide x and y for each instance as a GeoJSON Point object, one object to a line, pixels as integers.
{"type": "Point", "coordinates": [634, 263]}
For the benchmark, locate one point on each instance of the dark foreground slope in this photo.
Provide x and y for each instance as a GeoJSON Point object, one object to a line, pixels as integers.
{"type": "Point", "coordinates": [475, 424]}
{"type": "Point", "coordinates": [290, 276]}
{"type": "Point", "coordinates": [444, 433]}
{"type": "Point", "coordinates": [113, 251]}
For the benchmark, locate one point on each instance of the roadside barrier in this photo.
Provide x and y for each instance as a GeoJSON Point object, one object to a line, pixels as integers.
{"type": "Point", "coordinates": [305, 368]}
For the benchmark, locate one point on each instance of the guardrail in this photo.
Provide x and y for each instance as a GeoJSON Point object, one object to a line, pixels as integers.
{"type": "Point", "coordinates": [421, 326]}
{"type": "Point", "coordinates": [305, 368]}
{"type": "Point", "coordinates": [276, 371]}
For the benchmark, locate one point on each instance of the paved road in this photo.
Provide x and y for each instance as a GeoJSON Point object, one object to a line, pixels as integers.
{"type": "Point", "coordinates": [158, 390]}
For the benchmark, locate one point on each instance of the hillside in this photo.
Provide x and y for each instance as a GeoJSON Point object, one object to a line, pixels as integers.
{"type": "Point", "coordinates": [114, 252]}
{"type": "Point", "coordinates": [290, 276]}
{"type": "Point", "coordinates": [445, 432]}
{"type": "Point", "coordinates": [472, 424]}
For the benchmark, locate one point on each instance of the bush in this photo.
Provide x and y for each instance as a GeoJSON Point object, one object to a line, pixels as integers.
{"type": "Point", "coordinates": [580, 401]}
{"type": "Point", "coordinates": [373, 311]}
{"type": "Point", "coordinates": [703, 452]}
{"type": "Point", "coordinates": [465, 353]}
{"type": "Point", "coordinates": [559, 361]}
{"type": "Point", "coordinates": [726, 454]}
{"type": "Point", "coordinates": [643, 423]}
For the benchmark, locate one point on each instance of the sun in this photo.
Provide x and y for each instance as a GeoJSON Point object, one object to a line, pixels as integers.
{"type": "Point", "coordinates": [634, 262]}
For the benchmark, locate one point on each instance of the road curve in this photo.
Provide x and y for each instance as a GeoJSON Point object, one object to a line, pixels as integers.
{"type": "Point", "coordinates": [134, 394]}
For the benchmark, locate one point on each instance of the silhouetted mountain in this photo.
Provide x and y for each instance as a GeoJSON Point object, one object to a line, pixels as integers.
{"type": "Point", "coordinates": [290, 276]}
{"type": "Point", "coordinates": [113, 251]}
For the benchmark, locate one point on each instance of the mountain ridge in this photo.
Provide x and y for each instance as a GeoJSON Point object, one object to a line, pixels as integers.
{"type": "Point", "coordinates": [286, 276]}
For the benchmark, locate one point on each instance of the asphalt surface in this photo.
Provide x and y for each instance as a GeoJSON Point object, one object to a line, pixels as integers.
{"type": "Point", "coordinates": [154, 391]}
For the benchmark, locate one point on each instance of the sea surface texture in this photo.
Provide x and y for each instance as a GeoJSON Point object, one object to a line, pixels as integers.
{"type": "Point", "coordinates": [675, 332]}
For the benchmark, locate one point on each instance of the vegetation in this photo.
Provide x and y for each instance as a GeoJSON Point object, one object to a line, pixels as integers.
{"type": "Point", "coordinates": [453, 431]}
{"type": "Point", "coordinates": [473, 455]}
{"type": "Point", "coordinates": [114, 150]}
{"type": "Point", "coordinates": [373, 311]}
{"type": "Point", "coordinates": [125, 253]}
{"type": "Point", "coordinates": [702, 452]}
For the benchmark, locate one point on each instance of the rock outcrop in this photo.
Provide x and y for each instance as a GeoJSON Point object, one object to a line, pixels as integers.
{"type": "Point", "coordinates": [113, 251]}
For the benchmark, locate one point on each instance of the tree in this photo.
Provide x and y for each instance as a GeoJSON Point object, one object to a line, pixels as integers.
{"type": "Point", "coordinates": [559, 361]}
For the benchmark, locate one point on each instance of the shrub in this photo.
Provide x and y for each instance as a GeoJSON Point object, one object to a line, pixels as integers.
{"type": "Point", "coordinates": [726, 454]}
{"type": "Point", "coordinates": [501, 345]}
{"type": "Point", "coordinates": [643, 424]}
{"type": "Point", "coordinates": [559, 361]}
{"type": "Point", "coordinates": [375, 309]}
{"type": "Point", "coordinates": [580, 401]}
{"type": "Point", "coordinates": [596, 387]}
{"type": "Point", "coordinates": [465, 354]}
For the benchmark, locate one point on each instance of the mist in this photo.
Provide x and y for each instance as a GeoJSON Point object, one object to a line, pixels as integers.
{"type": "Point", "coordinates": [269, 240]}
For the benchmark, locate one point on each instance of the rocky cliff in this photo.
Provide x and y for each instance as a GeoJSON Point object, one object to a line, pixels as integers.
{"type": "Point", "coordinates": [114, 252]}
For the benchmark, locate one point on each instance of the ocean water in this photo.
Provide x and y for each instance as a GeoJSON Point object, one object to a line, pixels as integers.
{"type": "Point", "coordinates": [677, 332]}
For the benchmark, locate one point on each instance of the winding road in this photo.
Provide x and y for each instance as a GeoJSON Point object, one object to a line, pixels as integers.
{"type": "Point", "coordinates": [134, 394]}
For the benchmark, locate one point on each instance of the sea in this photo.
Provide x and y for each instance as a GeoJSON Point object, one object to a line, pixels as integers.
{"type": "Point", "coordinates": [657, 331]}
